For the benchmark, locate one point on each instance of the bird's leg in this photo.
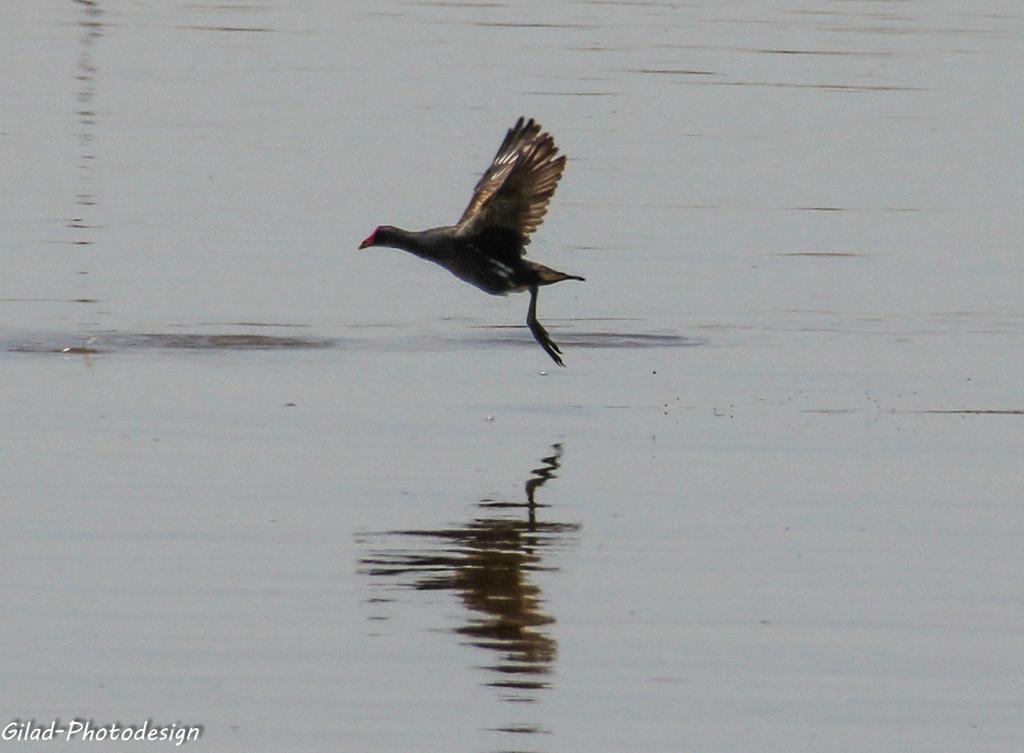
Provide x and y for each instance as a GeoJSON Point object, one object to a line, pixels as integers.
{"type": "Point", "coordinates": [539, 333]}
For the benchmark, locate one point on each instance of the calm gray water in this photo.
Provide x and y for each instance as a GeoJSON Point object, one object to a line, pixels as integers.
{"type": "Point", "coordinates": [314, 499]}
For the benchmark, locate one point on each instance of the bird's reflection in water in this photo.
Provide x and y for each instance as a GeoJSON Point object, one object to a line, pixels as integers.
{"type": "Point", "coordinates": [487, 562]}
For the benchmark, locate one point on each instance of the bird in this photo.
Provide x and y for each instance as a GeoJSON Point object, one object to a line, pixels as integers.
{"type": "Point", "coordinates": [487, 246]}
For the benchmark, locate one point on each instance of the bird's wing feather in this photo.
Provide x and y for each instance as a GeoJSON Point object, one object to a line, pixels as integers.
{"type": "Point", "coordinates": [512, 196]}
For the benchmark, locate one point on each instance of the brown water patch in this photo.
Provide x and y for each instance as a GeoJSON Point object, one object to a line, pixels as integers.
{"type": "Point", "coordinates": [232, 29]}
{"type": "Point", "coordinates": [602, 339]}
{"type": "Point", "coordinates": [824, 87]}
{"type": "Point", "coordinates": [671, 71]}
{"type": "Point", "coordinates": [117, 342]}
{"type": "Point", "coordinates": [972, 411]}
{"type": "Point", "coordinates": [824, 254]}
{"type": "Point", "coordinates": [49, 300]}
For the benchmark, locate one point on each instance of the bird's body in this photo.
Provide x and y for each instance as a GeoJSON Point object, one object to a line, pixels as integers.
{"type": "Point", "coordinates": [486, 248]}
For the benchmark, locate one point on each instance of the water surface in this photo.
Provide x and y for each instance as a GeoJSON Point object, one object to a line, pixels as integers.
{"type": "Point", "coordinates": [318, 499]}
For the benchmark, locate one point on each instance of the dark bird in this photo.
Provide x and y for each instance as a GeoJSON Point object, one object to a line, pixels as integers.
{"type": "Point", "coordinates": [487, 246]}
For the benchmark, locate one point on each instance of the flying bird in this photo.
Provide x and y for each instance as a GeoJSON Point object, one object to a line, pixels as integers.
{"type": "Point", "coordinates": [487, 247]}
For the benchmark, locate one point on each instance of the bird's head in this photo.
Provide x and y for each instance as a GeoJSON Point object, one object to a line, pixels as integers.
{"type": "Point", "coordinates": [379, 237]}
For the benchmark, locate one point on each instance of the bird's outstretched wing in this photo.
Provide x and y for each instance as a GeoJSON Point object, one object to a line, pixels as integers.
{"type": "Point", "coordinates": [512, 196]}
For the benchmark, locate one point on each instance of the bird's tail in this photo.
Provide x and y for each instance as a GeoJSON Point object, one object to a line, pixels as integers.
{"type": "Point", "coordinates": [548, 275]}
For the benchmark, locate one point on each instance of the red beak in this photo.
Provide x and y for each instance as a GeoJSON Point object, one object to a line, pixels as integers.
{"type": "Point", "coordinates": [369, 241]}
